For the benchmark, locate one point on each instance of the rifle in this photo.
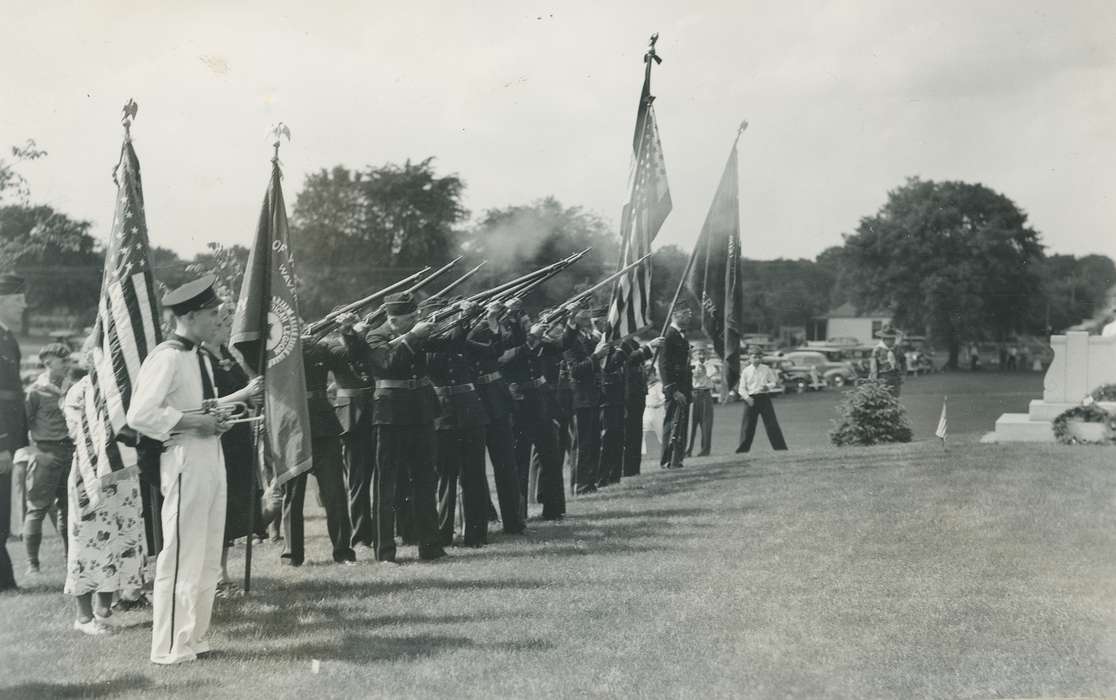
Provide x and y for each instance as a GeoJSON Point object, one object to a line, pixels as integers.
{"type": "Point", "coordinates": [501, 293]}
{"type": "Point", "coordinates": [558, 313]}
{"type": "Point", "coordinates": [451, 286]}
{"type": "Point", "coordinates": [508, 289]}
{"type": "Point", "coordinates": [377, 317]}
{"type": "Point", "coordinates": [325, 324]}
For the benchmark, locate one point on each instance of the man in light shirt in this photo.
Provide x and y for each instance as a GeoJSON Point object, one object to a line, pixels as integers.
{"type": "Point", "coordinates": [757, 382]}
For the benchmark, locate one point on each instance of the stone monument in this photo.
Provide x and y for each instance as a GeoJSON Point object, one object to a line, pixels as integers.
{"type": "Point", "coordinates": [1082, 362]}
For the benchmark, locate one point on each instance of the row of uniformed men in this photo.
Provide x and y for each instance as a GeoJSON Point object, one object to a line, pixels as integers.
{"type": "Point", "coordinates": [417, 408]}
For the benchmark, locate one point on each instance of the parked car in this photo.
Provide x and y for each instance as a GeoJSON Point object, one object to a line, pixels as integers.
{"type": "Point", "coordinates": [835, 373]}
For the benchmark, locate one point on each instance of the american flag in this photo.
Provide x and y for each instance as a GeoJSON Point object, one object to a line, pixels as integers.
{"type": "Point", "coordinates": [942, 423]}
{"type": "Point", "coordinates": [647, 207]}
{"type": "Point", "coordinates": [126, 330]}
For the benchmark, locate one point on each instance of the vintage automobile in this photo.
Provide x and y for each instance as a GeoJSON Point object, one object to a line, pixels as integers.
{"type": "Point", "coordinates": [830, 372]}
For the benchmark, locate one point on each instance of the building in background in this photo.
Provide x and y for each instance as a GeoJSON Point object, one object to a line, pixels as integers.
{"type": "Point", "coordinates": [848, 322]}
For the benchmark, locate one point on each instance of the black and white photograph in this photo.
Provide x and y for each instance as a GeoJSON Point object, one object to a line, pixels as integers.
{"type": "Point", "coordinates": [415, 350]}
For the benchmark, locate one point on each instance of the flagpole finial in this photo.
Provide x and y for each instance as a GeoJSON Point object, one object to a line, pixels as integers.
{"type": "Point", "coordinates": [128, 115]}
{"type": "Point", "coordinates": [740, 131]}
{"type": "Point", "coordinates": [277, 132]}
{"type": "Point", "coordinates": [651, 55]}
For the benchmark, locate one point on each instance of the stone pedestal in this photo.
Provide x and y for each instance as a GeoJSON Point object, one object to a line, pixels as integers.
{"type": "Point", "coordinates": [1082, 362]}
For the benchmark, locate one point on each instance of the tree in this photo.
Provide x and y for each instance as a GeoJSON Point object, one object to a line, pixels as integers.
{"type": "Point", "coordinates": [956, 258]}
{"type": "Point", "coordinates": [62, 262]}
{"type": "Point", "coordinates": [11, 182]}
{"type": "Point", "coordinates": [355, 232]}
{"type": "Point", "coordinates": [517, 239]}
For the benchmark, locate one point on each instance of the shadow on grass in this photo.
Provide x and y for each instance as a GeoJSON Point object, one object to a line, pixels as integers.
{"type": "Point", "coordinates": [366, 648]}
{"type": "Point", "coordinates": [129, 683]}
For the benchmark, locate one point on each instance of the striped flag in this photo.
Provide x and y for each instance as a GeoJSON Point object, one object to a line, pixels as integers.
{"type": "Point", "coordinates": [126, 329]}
{"type": "Point", "coordinates": [941, 431]}
{"type": "Point", "coordinates": [643, 215]}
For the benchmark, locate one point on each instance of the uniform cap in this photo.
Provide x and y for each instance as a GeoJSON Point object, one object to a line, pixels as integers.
{"type": "Point", "coordinates": [887, 332]}
{"type": "Point", "coordinates": [193, 296]}
{"type": "Point", "coordinates": [400, 304]}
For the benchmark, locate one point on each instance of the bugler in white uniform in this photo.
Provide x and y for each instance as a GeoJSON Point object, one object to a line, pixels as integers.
{"type": "Point", "coordinates": [192, 475]}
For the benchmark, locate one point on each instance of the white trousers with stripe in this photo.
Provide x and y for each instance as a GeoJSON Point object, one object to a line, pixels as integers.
{"type": "Point", "coordinates": [190, 562]}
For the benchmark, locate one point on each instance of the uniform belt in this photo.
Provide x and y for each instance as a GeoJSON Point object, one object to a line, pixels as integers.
{"type": "Point", "coordinates": [454, 389]}
{"type": "Point", "coordinates": [489, 378]}
{"type": "Point", "coordinates": [401, 383]}
{"type": "Point", "coordinates": [531, 384]}
{"type": "Point", "coordinates": [317, 395]}
{"type": "Point", "coordinates": [703, 388]}
{"type": "Point", "coordinates": [9, 395]}
{"type": "Point", "coordinates": [353, 393]}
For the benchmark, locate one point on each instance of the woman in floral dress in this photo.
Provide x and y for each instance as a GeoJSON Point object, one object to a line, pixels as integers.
{"type": "Point", "coordinates": [106, 545]}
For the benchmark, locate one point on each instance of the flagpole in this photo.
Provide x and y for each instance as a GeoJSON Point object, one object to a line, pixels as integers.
{"type": "Point", "coordinates": [277, 132]}
{"type": "Point", "coordinates": [130, 110]}
{"type": "Point", "coordinates": [650, 57]}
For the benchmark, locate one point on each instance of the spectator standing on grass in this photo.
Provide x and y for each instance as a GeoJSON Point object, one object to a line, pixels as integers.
{"type": "Point", "coordinates": [702, 411]}
{"type": "Point", "coordinates": [106, 542]}
{"type": "Point", "coordinates": [757, 381]}
{"type": "Point", "coordinates": [13, 421]}
{"type": "Point", "coordinates": [50, 453]}
{"type": "Point", "coordinates": [886, 365]}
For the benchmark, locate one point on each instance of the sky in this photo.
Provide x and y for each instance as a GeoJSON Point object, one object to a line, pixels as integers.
{"type": "Point", "coordinates": [527, 99]}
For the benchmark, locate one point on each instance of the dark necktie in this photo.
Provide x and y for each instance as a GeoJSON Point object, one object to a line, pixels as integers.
{"type": "Point", "coordinates": [207, 383]}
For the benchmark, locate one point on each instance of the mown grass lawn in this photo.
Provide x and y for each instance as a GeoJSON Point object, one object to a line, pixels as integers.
{"type": "Point", "coordinates": [899, 571]}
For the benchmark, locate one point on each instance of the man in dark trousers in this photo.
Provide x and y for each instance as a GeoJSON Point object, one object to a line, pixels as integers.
{"type": "Point", "coordinates": [353, 406]}
{"type": "Point", "coordinates": [677, 377]}
{"type": "Point", "coordinates": [614, 399]}
{"type": "Point", "coordinates": [486, 346]}
{"type": "Point", "coordinates": [635, 402]}
{"type": "Point", "coordinates": [13, 420]}
{"type": "Point", "coordinates": [582, 352]}
{"type": "Point", "coordinates": [319, 358]}
{"type": "Point", "coordinates": [460, 429]}
{"type": "Point", "coordinates": [702, 409]}
{"type": "Point", "coordinates": [557, 394]}
{"type": "Point", "coordinates": [757, 381]}
{"type": "Point", "coordinates": [403, 410]}
{"type": "Point", "coordinates": [524, 365]}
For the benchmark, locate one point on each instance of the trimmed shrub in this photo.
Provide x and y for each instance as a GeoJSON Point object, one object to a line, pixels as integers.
{"type": "Point", "coordinates": [870, 415]}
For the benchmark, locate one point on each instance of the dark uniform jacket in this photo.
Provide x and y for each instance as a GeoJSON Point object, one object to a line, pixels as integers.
{"type": "Point", "coordinates": [523, 365]}
{"type": "Point", "coordinates": [486, 347]}
{"type": "Point", "coordinates": [398, 362]}
{"type": "Point", "coordinates": [635, 375]}
{"type": "Point", "coordinates": [585, 373]}
{"type": "Point", "coordinates": [320, 358]}
{"type": "Point", "coordinates": [13, 420]}
{"type": "Point", "coordinates": [452, 371]}
{"type": "Point", "coordinates": [613, 375]}
{"type": "Point", "coordinates": [674, 364]}
{"type": "Point", "coordinates": [354, 394]}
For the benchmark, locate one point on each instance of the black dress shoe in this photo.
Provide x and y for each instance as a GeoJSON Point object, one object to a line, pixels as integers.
{"type": "Point", "coordinates": [431, 552]}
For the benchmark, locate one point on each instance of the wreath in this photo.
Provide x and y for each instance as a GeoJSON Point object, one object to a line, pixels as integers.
{"type": "Point", "coordinates": [1104, 392]}
{"type": "Point", "coordinates": [1090, 413]}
